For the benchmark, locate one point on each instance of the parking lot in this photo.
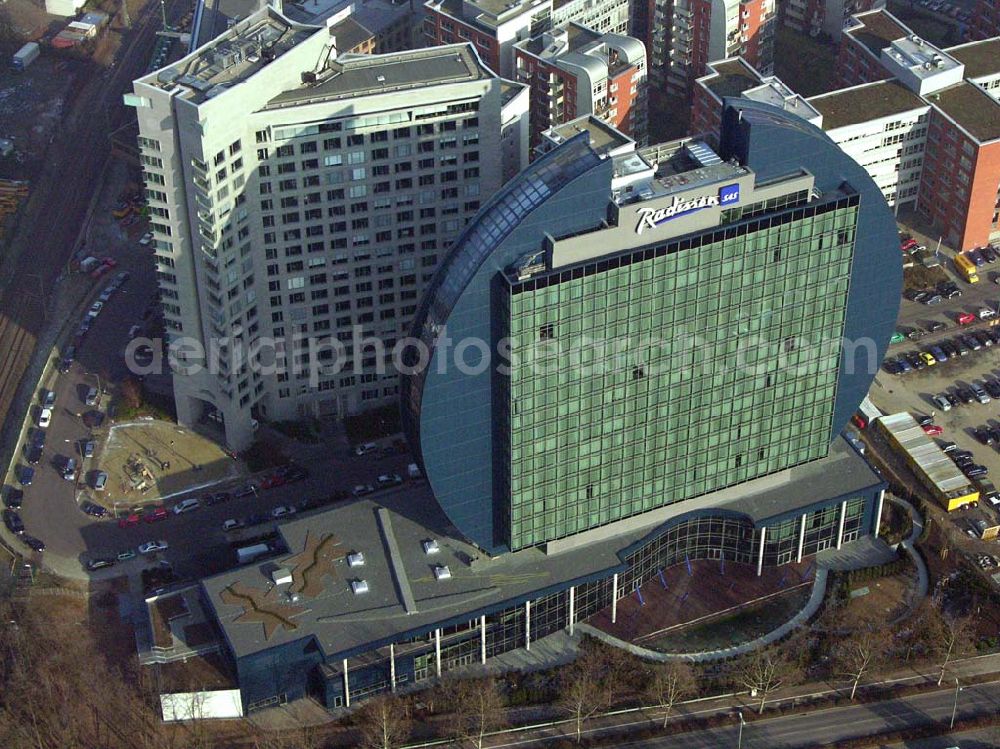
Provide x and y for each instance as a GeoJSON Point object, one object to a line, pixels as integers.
{"type": "Point", "coordinates": [947, 367]}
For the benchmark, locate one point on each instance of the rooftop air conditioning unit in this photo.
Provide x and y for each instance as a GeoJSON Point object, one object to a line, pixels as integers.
{"type": "Point", "coordinates": [282, 576]}
{"type": "Point", "coordinates": [359, 587]}
{"type": "Point", "coordinates": [431, 546]}
{"type": "Point", "coordinates": [441, 572]}
{"type": "Point", "coordinates": [355, 559]}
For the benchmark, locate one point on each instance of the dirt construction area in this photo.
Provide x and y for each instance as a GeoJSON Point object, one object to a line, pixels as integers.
{"type": "Point", "coordinates": [147, 461]}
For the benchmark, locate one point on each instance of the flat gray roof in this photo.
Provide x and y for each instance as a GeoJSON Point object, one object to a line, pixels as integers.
{"type": "Point", "coordinates": [361, 75]}
{"type": "Point", "coordinates": [602, 135]}
{"type": "Point", "coordinates": [218, 15]}
{"type": "Point", "coordinates": [980, 58]}
{"type": "Point", "coordinates": [869, 101]}
{"type": "Point", "coordinates": [349, 34]}
{"type": "Point", "coordinates": [255, 615]}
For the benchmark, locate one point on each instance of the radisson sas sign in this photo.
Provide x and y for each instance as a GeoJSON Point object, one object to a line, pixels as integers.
{"type": "Point", "coordinates": [650, 218]}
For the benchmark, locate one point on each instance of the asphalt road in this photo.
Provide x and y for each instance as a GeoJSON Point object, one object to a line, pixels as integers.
{"type": "Point", "coordinates": [830, 725]}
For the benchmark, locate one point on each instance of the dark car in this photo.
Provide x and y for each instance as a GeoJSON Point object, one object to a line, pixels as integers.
{"type": "Point", "coordinates": [915, 360]}
{"type": "Point", "coordinates": [99, 564]}
{"type": "Point", "coordinates": [956, 454]}
{"type": "Point", "coordinates": [992, 387]}
{"type": "Point", "coordinates": [952, 399]}
{"type": "Point", "coordinates": [915, 295]}
{"type": "Point", "coordinates": [935, 326]}
{"type": "Point", "coordinates": [892, 366]}
{"type": "Point", "coordinates": [977, 257]}
{"type": "Point", "coordinates": [994, 433]}
{"type": "Point", "coordinates": [948, 290]}
{"type": "Point", "coordinates": [293, 473]}
{"type": "Point", "coordinates": [247, 490]}
{"type": "Point", "coordinates": [963, 350]}
{"type": "Point", "coordinates": [69, 356]}
{"type": "Point", "coordinates": [26, 475]}
{"type": "Point", "coordinates": [950, 350]}
{"type": "Point", "coordinates": [938, 353]}
{"type": "Point", "coordinates": [966, 396]}
{"type": "Point", "coordinates": [988, 254]}
{"type": "Point", "coordinates": [932, 299]}
{"type": "Point", "coordinates": [218, 498]}
{"type": "Point", "coordinates": [975, 470]}
{"type": "Point", "coordinates": [948, 446]}
{"type": "Point", "coordinates": [983, 436]}
{"type": "Point", "coordinates": [93, 509]}
{"type": "Point", "coordinates": [32, 454]}
{"type": "Point", "coordinates": [904, 365]}
{"type": "Point", "coordinates": [87, 448]}
{"type": "Point", "coordinates": [32, 543]}
{"type": "Point", "coordinates": [983, 337]}
{"type": "Point", "coordinates": [13, 498]}
{"type": "Point", "coordinates": [38, 439]}
{"type": "Point", "coordinates": [964, 461]}
{"type": "Point", "coordinates": [13, 521]}
{"type": "Point", "coordinates": [971, 342]}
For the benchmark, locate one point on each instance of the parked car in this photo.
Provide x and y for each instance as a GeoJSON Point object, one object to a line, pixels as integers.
{"type": "Point", "coordinates": [218, 498]}
{"type": "Point", "coordinates": [95, 308]}
{"type": "Point", "coordinates": [947, 446]}
{"type": "Point", "coordinates": [247, 490]}
{"type": "Point", "coordinates": [26, 474]}
{"type": "Point", "coordinates": [389, 479]}
{"type": "Point", "coordinates": [282, 511]}
{"type": "Point", "coordinates": [87, 448]}
{"type": "Point", "coordinates": [232, 524]}
{"type": "Point", "coordinates": [100, 480]}
{"type": "Point", "coordinates": [69, 469]}
{"type": "Point", "coordinates": [186, 505]}
{"type": "Point", "coordinates": [151, 547]}
{"type": "Point", "coordinates": [44, 418]}
{"type": "Point", "coordinates": [965, 318]}
{"type": "Point", "coordinates": [982, 435]}
{"type": "Point", "coordinates": [935, 326]}
{"type": "Point", "coordinates": [938, 353]}
{"type": "Point", "coordinates": [272, 482]}
{"type": "Point", "coordinates": [125, 555]}
{"type": "Point", "coordinates": [13, 521]}
{"type": "Point", "coordinates": [49, 399]}
{"type": "Point", "coordinates": [100, 563]}
{"type": "Point", "coordinates": [365, 448]}
{"type": "Point", "coordinates": [155, 514]}
{"type": "Point", "coordinates": [941, 402]}
{"type": "Point", "coordinates": [362, 489]}
{"type": "Point", "coordinates": [127, 521]}
{"type": "Point", "coordinates": [980, 393]}
{"type": "Point", "coordinates": [933, 430]}
{"type": "Point", "coordinates": [986, 312]}
{"type": "Point", "coordinates": [975, 470]}
{"type": "Point", "coordinates": [13, 498]}
{"type": "Point", "coordinates": [93, 509]}
{"type": "Point", "coordinates": [90, 398]}
{"type": "Point", "coordinates": [988, 254]}
{"type": "Point", "coordinates": [35, 544]}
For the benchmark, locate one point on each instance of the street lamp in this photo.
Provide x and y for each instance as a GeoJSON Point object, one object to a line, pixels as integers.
{"type": "Point", "coordinates": [739, 739]}
{"type": "Point", "coordinates": [954, 707]}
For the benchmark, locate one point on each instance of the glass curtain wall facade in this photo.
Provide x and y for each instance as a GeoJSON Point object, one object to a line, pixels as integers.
{"type": "Point", "coordinates": [735, 384]}
{"type": "Point", "coordinates": [728, 537]}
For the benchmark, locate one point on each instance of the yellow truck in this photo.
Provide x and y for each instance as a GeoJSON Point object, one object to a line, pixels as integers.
{"type": "Point", "coordinates": [966, 268]}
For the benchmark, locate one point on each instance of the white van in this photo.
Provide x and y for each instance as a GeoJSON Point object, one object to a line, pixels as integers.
{"type": "Point", "coordinates": [365, 448]}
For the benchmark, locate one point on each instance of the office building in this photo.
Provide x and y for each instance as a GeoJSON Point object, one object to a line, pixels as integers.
{"type": "Point", "coordinates": [495, 26]}
{"type": "Point", "coordinates": [574, 71]}
{"type": "Point", "coordinates": [299, 196]}
{"type": "Point", "coordinates": [923, 121]}
{"type": "Point", "coordinates": [551, 494]}
{"type": "Point", "coordinates": [686, 35]}
{"type": "Point", "coordinates": [826, 17]}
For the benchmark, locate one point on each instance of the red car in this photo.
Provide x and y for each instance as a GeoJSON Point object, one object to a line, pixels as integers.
{"type": "Point", "coordinates": [908, 245]}
{"type": "Point", "coordinates": [100, 271]}
{"type": "Point", "coordinates": [129, 520]}
{"type": "Point", "coordinates": [272, 481]}
{"type": "Point", "coordinates": [966, 318]}
{"type": "Point", "coordinates": [156, 513]}
{"type": "Point", "coordinates": [933, 430]}
{"type": "Point", "coordinates": [110, 262]}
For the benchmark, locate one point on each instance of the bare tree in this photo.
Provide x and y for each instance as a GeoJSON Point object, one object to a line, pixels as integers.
{"type": "Point", "coordinates": [668, 684]}
{"type": "Point", "coordinates": [479, 710]}
{"type": "Point", "coordinates": [383, 723]}
{"type": "Point", "coordinates": [763, 672]}
{"type": "Point", "coordinates": [861, 652]}
{"type": "Point", "coordinates": [583, 690]}
{"type": "Point", "coordinates": [131, 392]}
{"type": "Point", "coordinates": [953, 636]}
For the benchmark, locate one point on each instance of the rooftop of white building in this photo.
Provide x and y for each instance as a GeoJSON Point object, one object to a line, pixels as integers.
{"type": "Point", "coordinates": [777, 94]}
{"type": "Point", "coordinates": [242, 50]}
{"type": "Point", "coordinates": [354, 75]}
{"type": "Point", "coordinates": [487, 13]}
{"type": "Point", "coordinates": [870, 101]}
{"type": "Point", "coordinates": [981, 59]}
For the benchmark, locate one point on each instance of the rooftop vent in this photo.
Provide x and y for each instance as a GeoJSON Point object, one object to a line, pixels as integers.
{"type": "Point", "coordinates": [431, 546]}
{"type": "Point", "coordinates": [359, 586]}
{"type": "Point", "coordinates": [380, 78]}
{"type": "Point", "coordinates": [355, 559]}
{"type": "Point", "coordinates": [282, 576]}
{"type": "Point", "coordinates": [441, 572]}
{"type": "Point", "coordinates": [308, 76]}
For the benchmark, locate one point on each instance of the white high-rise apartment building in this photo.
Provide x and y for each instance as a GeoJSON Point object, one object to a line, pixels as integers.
{"type": "Point", "coordinates": [299, 195]}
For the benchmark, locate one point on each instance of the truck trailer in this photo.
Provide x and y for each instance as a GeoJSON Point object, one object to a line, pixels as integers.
{"type": "Point", "coordinates": [25, 56]}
